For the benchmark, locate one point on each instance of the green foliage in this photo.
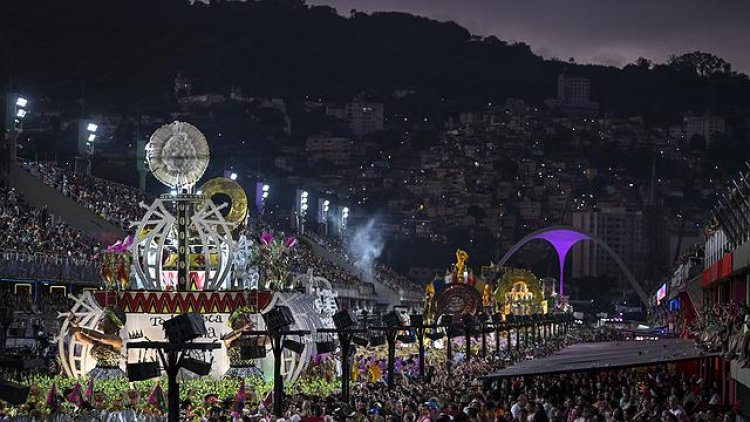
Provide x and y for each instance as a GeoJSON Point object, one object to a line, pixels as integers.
{"type": "Point", "coordinates": [194, 389]}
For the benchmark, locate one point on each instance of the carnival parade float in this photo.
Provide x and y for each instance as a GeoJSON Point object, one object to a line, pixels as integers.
{"type": "Point", "coordinates": [191, 253]}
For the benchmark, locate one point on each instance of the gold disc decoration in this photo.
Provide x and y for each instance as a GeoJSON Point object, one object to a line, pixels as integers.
{"type": "Point", "coordinates": [221, 186]}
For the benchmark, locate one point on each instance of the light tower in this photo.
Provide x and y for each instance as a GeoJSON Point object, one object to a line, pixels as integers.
{"type": "Point", "coordinates": [300, 209]}
{"type": "Point", "coordinates": [16, 109]}
{"type": "Point", "coordinates": [324, 206]}
{"type": "Point", "coordinates": [86, 141]}
{"type": "Point", "coordinates": [343, 219]}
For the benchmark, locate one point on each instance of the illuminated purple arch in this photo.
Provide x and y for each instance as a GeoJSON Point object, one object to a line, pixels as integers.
{"type": "Point", "coordinates": [562, 238]}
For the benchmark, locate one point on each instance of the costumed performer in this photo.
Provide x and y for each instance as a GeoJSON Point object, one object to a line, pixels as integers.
{"type": "Point", "coordinates": [242, 323]}
{"type": "Point", "coordinates": [105, 342]}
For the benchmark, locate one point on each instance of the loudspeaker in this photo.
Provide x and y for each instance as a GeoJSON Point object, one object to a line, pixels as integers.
{"type": "Point", "coordinates": [343, 320]}
{"type": "Point", "coordinates": [252, 352]}
{"type": "Point", "coordinates": [185, 327]}
{"type": "Point", "coordinates": [143, 371]}
{"type": "Point", "coordinates": [278, 318]}
{"type": "Point", "coordinates": [196, 366]}
{"type": "Point", "coordinates": [392, 319]}
{"type": "Point", "coordinates": [13, 393]}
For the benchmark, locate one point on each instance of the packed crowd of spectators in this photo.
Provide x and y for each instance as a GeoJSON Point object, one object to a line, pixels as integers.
{"type": "Point", "coordinates": [720, 329]}
{"type": "Point", "coordinates": [34, 232]}
{"type": "Point", "coordinates": [113, 202]}
{"type": "Point", "coordinates": [394, 279]}
{"type": "Point", "coordinates": [459, 393]}
{"type": "Point", "coordinates": [673, 321]}
{"type": "Point", "coordinates": [382, 273]}
{"type": "Point", "coordinates": [304, 259]}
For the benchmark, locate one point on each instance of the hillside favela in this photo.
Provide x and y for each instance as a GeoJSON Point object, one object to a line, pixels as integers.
{"type": "Point", "coordinates": [374, 211]}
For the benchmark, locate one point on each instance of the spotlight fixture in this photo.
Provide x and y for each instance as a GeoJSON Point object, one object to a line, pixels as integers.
{"type": "Point", "coordinates": [446, 320]}
{"type": "Point", "coordinates": [406, 338]}
{"type": "Point", "coordinates": [142, 371]}
{"type": "Point", "coordinates": [13, 393]}
{"type": "Point", "coordinates": [324, 347]}
{"type": "Point", "coordinates": [294, 346]}
{"type": "Point", "coordinates": [377, 340]}
{"type": "Point", "coordinates": [434, 335]}
{"type": "Point", "coordinates": [185, 327]}
{"type": "Point", "coordinates": [278, 318]}
{"type": "Point", "coordinates": [196, 366]}
{"type": "Point", "coordinates": [360, 341]}
{"type": "Point", "coordinates": [392, 319]}
{"type": "Point", "coordinates": [343, 320]}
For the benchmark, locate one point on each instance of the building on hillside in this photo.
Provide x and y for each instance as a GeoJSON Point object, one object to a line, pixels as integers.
{"type": "Point", "coordinates": [706, 125]}
{"type": "Point", "coordinates": [622, 230]}
{"type": "Point", "coordinates": [337, 150]}
{"type": "Point", "coordinates": [365, 117]}
{"type": "Point", "coordinates": [574, 97]}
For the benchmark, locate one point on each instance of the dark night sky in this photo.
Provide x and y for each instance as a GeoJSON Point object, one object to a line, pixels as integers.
{"type": "Point", "coordinates": [612, 32]}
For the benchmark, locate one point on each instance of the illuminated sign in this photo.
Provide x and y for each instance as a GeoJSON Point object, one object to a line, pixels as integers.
{"type": "Point", "coordinates": [661, 293]}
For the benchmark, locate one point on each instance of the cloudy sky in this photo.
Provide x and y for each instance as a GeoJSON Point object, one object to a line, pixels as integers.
{"type": "Point", "coordinates": [613, 32]}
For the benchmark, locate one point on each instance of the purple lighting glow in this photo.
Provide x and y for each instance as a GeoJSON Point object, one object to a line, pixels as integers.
{"type": "Point", "coordinates": [562, 240]}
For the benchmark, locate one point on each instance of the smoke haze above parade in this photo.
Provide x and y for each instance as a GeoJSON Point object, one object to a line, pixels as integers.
{"type": "Point", "coordinates": [608, 32]}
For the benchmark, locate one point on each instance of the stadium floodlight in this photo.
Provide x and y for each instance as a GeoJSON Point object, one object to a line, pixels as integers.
{"type": "Point", "coordinates": [265, 194]}
{"type": "Point", "coordinates": [21, 113]}
{"type": "Point", "coordinates": [345, 212]}
{"type": "Point", "coordinates": [91, 137]}
{"type": "Point", "coordinates": [304, 207]}
{"type": "Point", "coordinates": [266, 188]}
{"type": "Point", "coordinates": [21, 102]}
{"type": "Point", "coordinates": [233, 176]}
{"type": "Point", "coordinates": [304, 194]}
{"type": "Point", "coordinates": [92, 127]}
